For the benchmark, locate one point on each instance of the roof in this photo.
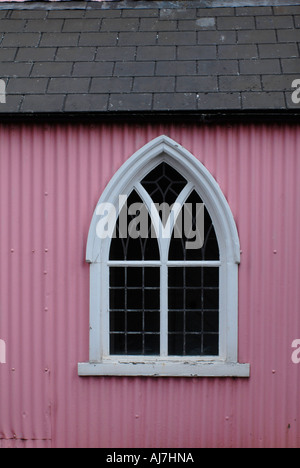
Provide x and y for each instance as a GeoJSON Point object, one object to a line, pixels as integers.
{"type": "Point", "coordinates": [141, 57]}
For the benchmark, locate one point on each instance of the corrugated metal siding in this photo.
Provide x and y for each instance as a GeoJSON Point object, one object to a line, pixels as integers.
{"type": "Point", "coordinates": [51, 178]}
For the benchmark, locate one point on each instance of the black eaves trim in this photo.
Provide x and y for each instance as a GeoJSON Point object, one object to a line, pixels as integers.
{"type": "Point", "coordinates": [226, 117]}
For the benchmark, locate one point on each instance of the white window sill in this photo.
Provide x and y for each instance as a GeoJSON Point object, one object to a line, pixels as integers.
{"type": "Point", "coordinates": [166, 368]}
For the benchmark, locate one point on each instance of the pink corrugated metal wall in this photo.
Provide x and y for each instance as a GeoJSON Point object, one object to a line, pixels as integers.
{"type": "Point", "coordinates": [50, 180]}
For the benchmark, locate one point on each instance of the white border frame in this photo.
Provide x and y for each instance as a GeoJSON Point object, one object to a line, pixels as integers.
{"type": "Point", "coordinates": [127, 178]}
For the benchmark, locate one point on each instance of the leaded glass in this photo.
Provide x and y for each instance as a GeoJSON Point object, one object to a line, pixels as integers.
{"type": "Point", "coordinates": [134, 311]}
{"type": "Point", "coordinates": [209, 249]}
{"type": "Point", "coordinates": [193, 311]}
{"type": "Point", "coordinates": [124, 246]}
{"type": "Point", "coordinates": [186, 296]}
{"type": "Point", "coordinates": [164, 184]}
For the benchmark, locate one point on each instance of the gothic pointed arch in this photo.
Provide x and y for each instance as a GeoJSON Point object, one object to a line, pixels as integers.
{"type": "Point", "coordinates": [164, 149]}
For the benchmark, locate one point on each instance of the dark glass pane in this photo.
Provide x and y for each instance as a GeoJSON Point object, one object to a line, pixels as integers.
{"type": "Point", "coordinates": [134, 237]}
{"type": "Point", "coordinates": [210, 277]}
{"type": "Point", "coordinates": [210, 344]}
{"type": "Point", "coordinates": [193, 344]}
{"type": "Point", "coordinates": [134, 321]}
{"type": "Point", "coordinates": [117, 343]}
{"type": "Point", "coordinates": [152, 299]}
{"type": "Point", "coordinates": [134, 343]}
{"type": "Point", "coordinates": [210, 246]}
{"type": "Point", "coordinates": [190, 239]}
{"type": "Point", "coordinates": [176, 321]}
{"type": "Point", "coordinates": [117, 277]}
{"type": "Point", "coordinates": [210, 298]}
{"type": "Point", "coordinates": [150, 248]}
{"type": "Point", "coordinates": [117, 299]}
{"type": "Point", "coordinates": [193, 298]}
{"type": "Point", "coordinates": [175, 277]}
{"type": "Point", "coordinates": [176, 344]}
{"type": "Point", "coordinates": [134, 277]}
{"type": "Point", "coordinates": [193, 311]}
{"type": "Point", "coordinates": [211, 322]}
{"type": "Point", "coordinates": [134, 299]}
{"type": "Point", "coordinates": [176, 298]}
{"type": "Point", "coordinates": [193, 321]}
{"type": "Point", "coordinates": [194, 277]}
{"type": "Point", "coordinates": [164, 184]}
{"type": "Point", "coordinates": [152, 280]}
{"type": "Point", "coordinates": [152, 321]}
{"type": "Point", "coordinates": [134, 310]}
{"type": "Point", "coordinates": [117, 249]}
{"type": "Point", "coordinates": [152, 344]}
{"type": "Point", "coordinates": [117, 321]}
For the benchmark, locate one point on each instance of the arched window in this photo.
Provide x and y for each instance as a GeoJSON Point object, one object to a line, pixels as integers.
{"type": "Point", "coordinates": [164, 251]}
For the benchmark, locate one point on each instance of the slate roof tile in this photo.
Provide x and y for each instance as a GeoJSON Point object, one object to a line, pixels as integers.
{"type": "Point", "coordinates": [78, 57]}
{"type": "Point", "coordinates": [33, 103]}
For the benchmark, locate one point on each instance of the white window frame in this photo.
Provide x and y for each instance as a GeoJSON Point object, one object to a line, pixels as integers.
{"type": "Point", "coordinates": [124, 181]}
